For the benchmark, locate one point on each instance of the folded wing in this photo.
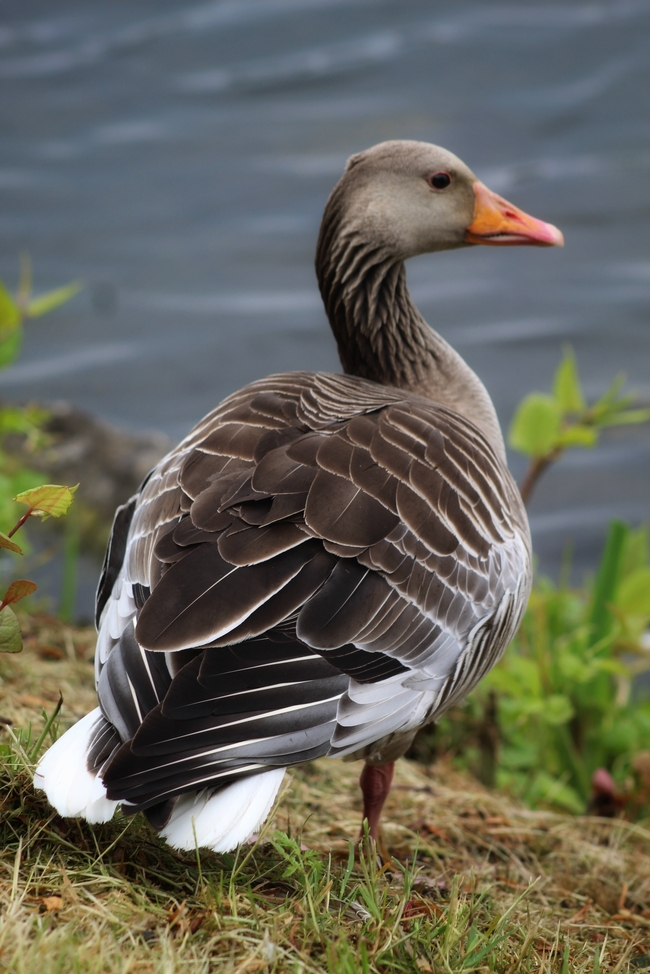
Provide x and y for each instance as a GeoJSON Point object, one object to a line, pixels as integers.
{"type": "Point", "coordinates": [366, 541]}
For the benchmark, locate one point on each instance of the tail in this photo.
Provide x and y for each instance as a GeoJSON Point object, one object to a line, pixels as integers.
{"type": "Point", "coordinates": [218, 821]}
{"type": "Point", "coordinates": [225, 819]}
{"type": "Point", "coordinates": [62, 773]}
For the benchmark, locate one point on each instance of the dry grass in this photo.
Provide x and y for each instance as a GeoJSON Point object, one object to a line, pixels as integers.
{"type": "Point", "coordinates": [474, 882]}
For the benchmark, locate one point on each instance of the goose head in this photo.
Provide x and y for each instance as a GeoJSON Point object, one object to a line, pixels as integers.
{"type": "Point", "coordinates": [408, 198]}
{"type": "Point", "coordinates": [394, 201]}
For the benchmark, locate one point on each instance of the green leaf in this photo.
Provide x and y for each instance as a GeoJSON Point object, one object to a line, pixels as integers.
{"type": "Point", "coordinates": [10, 639]}
{"type": "Point", "coordinates": [566, 385]}
{"type": "Point", "coordinates": [10, 346]}
{"type": "Point", "coordinates": [637, 550]}
{"type": "Point", "coordinates": [610, 401]}
{"type": "Point", "coordinates": [13, 419]}
{"type": "Point", "coordinates": [50, 500]}
{"type": "Point", "coordinates": [10, 328]}
{"type": "Point", "coordinates": [596, 969]}
{"type": "Point", "coordinates": [626, 417]}
{"type": "Point", "coordinates": [52, 299]}
{"type": "Point", "coordinates": [633, 595]}
{"type": "Point", "coordinates": [10, 545]}
{"type": "Point", "coordinates": [607, 580]}
{"type": "Point", "coordinates": [9, 312]}
{"type": "Point", "coordinates": [547, 788]}
{"type": "Point", "coordinates": [558, 709]}
{"type": "Point", "coordinates": [18, 590]}
{"type": "Point", "coordinates": [22, 419]}
{"type": "Point", "coordinates": [579, 435]}
{"type": "Point", "coordinates": [535, 428]}
{"type": "Point", "coordinates": [574, 668]}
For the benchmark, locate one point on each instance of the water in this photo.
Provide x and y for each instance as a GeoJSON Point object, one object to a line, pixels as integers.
{"type": "Point", "coordinates": [177, 157]}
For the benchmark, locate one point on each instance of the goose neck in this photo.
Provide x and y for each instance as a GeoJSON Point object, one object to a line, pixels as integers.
{"type": "Point", "coordinates": [379, 331]}
{"type": "Point", "coordinates": [382, 336]}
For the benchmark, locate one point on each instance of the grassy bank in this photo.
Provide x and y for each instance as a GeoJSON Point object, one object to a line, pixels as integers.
{"type": "Point", "coordinates": [474, 882]}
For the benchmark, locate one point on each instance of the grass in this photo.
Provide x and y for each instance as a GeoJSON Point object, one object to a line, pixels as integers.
{"type": "Point", "coordinates": [473, 881]}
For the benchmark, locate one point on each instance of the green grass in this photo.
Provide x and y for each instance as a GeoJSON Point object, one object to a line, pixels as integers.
{"type": "Point", "coordinates": [471, 881]}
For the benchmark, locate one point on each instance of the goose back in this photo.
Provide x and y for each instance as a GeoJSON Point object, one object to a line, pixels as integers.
{"type": "Point", "coordinates": [321, 566]}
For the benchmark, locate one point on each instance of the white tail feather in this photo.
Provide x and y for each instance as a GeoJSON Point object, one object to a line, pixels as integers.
{"type": "Point", "coordinates": [63, 775]}
{"type": "Point", "coordinates": [220, 821]}
{"type": "Point", "coordinates": [226, 819]}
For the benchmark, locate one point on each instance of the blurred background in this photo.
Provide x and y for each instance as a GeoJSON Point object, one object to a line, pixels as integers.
{"type": "Point", "coordinates": [177, 157]}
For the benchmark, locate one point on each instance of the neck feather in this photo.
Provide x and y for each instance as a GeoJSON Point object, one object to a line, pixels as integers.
{"type": "Point", "coordinates": [382, 336]}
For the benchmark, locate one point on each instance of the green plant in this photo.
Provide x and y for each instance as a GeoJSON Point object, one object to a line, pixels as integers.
{"type": "Point", "coordinates": [561, 704]}
{"type": "Point", "coordinates": [48, 500]}
{"type": "Point", "coordinates": [19, 484]}
{"type": "Point", "coordinates": [565, 687]}
{"type": "Point", "coordinates": [546, 424]}
{"type": "Point", "coordinates": [15, 311]}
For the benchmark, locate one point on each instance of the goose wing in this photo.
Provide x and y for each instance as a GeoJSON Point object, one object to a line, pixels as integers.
{"type": "Point", "coordinates": [322, 564]}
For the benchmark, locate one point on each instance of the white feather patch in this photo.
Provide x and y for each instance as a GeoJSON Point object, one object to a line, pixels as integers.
{"type": "Point", "coordinates": [63, 776]}
{"type": "Point", "coordinates": [226, 819]}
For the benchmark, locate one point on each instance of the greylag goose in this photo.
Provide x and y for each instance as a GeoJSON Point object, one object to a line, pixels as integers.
{"type": "Point", "coordinates": [326, 562]}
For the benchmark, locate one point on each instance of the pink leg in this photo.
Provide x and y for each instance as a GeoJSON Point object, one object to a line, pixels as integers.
{"type": "Point", "coordinates": [375, 784]}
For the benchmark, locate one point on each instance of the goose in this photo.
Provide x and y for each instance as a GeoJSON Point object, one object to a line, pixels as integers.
{"type": "Point", "coordinates": [326, 562]}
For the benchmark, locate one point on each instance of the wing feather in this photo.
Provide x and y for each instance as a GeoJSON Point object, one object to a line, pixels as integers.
{"type": "Point", "coordinates": [375, 532]}
{"type": "Point", "coordinates": [203, 596]}
{"type": "Point", "coordinates": [339, 511]}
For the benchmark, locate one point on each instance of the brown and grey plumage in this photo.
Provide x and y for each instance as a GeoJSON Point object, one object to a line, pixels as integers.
{"type": "Point", "coordinates": [326, 562]}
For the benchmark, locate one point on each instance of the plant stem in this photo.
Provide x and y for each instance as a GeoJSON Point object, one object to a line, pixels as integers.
{"type": "Point", "coordinates": [535, 470]}
{"type": "Point", "coordinates": [20, 523]}
{"type": "Point", "coordinates": [33, 754]}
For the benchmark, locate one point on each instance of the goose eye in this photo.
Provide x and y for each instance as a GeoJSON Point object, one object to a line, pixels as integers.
{"type": "Point", "coordinates": [439, 180]}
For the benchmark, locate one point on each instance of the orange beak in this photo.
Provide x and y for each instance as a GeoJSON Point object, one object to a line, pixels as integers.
{"type": "Point", "coordinates": [501, 224]}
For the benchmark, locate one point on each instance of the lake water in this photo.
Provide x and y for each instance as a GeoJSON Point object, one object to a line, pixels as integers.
{"type": "Point", "coordinates": [177, 156]}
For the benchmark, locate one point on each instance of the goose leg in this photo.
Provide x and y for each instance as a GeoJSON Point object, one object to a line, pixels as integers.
{"type": "Point", "coordinates": [375, 784]}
